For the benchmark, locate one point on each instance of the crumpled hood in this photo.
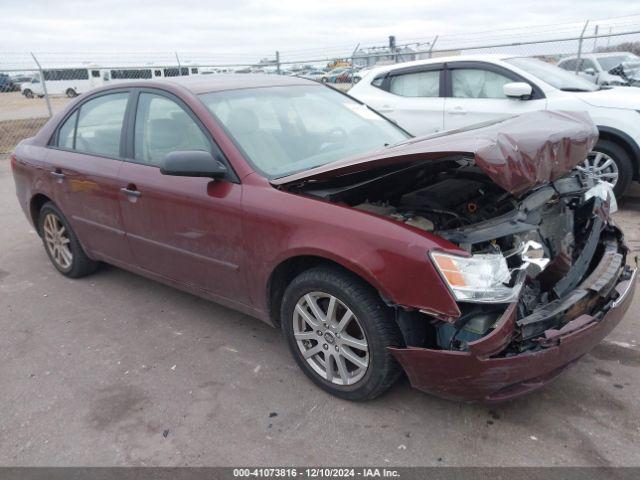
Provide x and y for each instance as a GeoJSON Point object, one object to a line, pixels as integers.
{"type": "Point", "coordinates": [614, 97]}
{"type": "Point", "coordinates": [518, 154]}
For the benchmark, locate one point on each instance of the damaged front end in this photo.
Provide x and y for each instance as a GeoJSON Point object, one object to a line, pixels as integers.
{"type": "Point", "coordinates": [536, 267]}
{"type": "Point", "coordinates": [568, 284]}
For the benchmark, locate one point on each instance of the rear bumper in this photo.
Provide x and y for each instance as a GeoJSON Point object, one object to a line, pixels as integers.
{"type": "Point", "coordinates": [478, 375]}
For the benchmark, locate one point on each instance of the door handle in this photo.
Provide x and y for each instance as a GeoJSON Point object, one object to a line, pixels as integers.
{"type": "Point", "coordinates": [131, 191]}
{"type": "Point", "coordinates": [458, 111]}
{"type": "Point", "coordinates": [57, 174]}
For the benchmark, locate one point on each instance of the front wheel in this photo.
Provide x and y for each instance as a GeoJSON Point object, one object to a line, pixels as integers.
{"type": "Point", "coordinates": [62, 245]}
{"type": "Point", "coordinates": [610, 163]}
{"type": "Point", "coordinates": [338, 331]}
{"type": "Point", "coordinates": [28, 93]}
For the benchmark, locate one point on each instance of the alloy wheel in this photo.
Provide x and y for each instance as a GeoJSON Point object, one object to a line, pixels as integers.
{"type": "Point", "coordinates": [600, 166]}
{"type": "Point", "coordinates": [57, 240]}
{"type": "Point", "coordinates": [330, 338]}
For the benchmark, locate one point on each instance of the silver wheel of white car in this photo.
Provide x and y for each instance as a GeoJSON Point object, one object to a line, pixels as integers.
{"type": "Point", "coordinates": [600, 166]}
{"type": "Point", "coordinates": [330, 338]}
{"type": "Point", "coordinates": [611, 163]}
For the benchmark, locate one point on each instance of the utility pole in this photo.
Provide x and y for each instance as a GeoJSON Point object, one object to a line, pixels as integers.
{"type": "Point", "coordinates": [353, 54]}
{"type": "Point", "coordinates": [392, 48]}
{"type": "Point", "coordinates": [278, 62]}
{"type": "Point", "coordinates": [44, 84]}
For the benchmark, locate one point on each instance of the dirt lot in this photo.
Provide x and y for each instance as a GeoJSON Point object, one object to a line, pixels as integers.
{"type": "Point", "coordinates": [22, 117]}
{"type": "Point", "coordinates": [14, 106]}
{"type": "Point", "coordinates": [114, 369]}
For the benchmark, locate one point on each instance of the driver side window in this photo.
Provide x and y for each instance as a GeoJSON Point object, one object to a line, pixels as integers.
{"type": "Point", "coordinates": [477, 83]}
{"type": "Point", "coordinates": [161, 127]}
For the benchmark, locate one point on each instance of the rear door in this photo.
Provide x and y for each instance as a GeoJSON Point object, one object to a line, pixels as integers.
{"type": "Point", "coordinates": [185, 229]}
{"type": "Point", "coordinates": [413, 98]}
{"type": "Point", "coordinates": [474, 94]}
{"type": "Point", "coordinates": [84, 158]}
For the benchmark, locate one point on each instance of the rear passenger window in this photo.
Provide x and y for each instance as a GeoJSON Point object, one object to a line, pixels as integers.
{"type": "Point", "coordinates": [100, 125]}
{"type": "Point", "coordinates": [67, 131]}
{"type": "Point", "coordinates": [162, 126]}
{"type": "Point", "coordinates": [419, 84]}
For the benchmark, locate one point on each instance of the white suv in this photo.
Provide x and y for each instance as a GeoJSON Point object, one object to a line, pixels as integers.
{"type": "Point", "coordinates": [596, 67]}
{"type": "Point", "coordinates": [446, 93]}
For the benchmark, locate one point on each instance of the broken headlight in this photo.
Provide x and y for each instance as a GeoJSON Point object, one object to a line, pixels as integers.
{"type": "Point", "coordinates": [482, 278]}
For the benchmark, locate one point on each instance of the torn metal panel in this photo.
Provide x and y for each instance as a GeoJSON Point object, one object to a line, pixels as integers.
{"type": "Point", "coordinates": [518, 154]}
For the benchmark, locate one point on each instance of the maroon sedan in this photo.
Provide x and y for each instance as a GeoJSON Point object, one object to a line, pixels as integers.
{"type": "Point", "coordinates": [473, 260]}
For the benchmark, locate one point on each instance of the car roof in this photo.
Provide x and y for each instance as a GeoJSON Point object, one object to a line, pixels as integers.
{"type": "Point", "coordinates": [598, 55]}
{"type": "Point", "coordinates": [198, 84]}
{"type": "Point", "coordinates": [215, 83]}
{"type": "Point", "coordinates": [489, 57]}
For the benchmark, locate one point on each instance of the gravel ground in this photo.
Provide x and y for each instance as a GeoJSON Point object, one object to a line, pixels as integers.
{"type": "Point", "coordinates": [115, 369]}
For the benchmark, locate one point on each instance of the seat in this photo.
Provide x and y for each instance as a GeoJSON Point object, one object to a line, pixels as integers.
{"type": "Point", "coordinates": [262, 147]}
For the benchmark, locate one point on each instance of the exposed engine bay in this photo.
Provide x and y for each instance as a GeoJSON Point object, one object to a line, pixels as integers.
{"type": "Point", "coordinates": [559, 257]}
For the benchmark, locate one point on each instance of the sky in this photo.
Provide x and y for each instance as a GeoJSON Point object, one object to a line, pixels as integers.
{"type": "Point", "coordinates": [246, 30]}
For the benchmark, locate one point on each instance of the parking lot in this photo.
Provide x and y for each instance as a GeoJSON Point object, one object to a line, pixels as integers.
{"type": "Point", "coordinates": [115, 369]}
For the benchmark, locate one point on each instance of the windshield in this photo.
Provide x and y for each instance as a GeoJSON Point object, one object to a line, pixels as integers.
{"type": "Point", "coordinates": [285, 130]}
{"type": "Point", "coordinates": [554, 76]}
{"type": "Point", "coordinates": [607, 63]}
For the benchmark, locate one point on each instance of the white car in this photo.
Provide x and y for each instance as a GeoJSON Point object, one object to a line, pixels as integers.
{"type": "Point", "coordinates": [596, 67]}
{"type": "Point", "coordinates": [429, 96]}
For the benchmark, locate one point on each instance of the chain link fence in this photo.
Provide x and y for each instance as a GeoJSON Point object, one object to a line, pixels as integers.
{"type": "Point", "coordinates": [34, 86]}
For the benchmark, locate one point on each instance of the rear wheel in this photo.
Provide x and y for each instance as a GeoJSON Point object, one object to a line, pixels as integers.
{"type": "Point", "coordinates": [71, 93]}
{"type": "Point", "coordinates": [338, 331]}
{"type": "Point", "coordinates": [610, 163]}
{"type": "Point", "coordinates": [27, 93]}
{"type": "Point", "coordinates": [62, 245]}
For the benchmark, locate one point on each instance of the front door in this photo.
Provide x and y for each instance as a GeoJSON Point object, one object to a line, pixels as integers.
{"type": "Point", "coordinates": [186, 229]}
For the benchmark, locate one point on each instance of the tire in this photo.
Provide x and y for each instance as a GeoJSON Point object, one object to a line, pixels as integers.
{"type": "Point", "coordinates": [622, 162]}
{"type": "Point", "coordinates": [71, 93]}
{"type": "Point", "coordinates": [28, 93]}
{"type": "Point", "coordinates": [371, 320]}
{"type": "Point", "coordinates": [79, 264]}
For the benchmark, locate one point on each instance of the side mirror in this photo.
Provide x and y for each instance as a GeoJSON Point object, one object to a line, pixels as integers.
{"type": "Point", "coordinates": [519, 90]}
{"type": "Point", "coordinates": [192, 163]}
{"type": "Point", "coordinates": [589, 71]}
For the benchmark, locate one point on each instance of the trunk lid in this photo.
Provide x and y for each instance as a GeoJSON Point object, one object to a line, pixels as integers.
{"type": "Point", "coordinates": [518, 154]}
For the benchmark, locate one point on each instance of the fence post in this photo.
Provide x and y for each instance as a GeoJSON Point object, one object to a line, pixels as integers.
{"type": "Point", "coordinates": [580, 46]}
{"type": "Point", "coordinates": [432, 45]}
{"type": "Point", "coordinates": [178, 60]}
{"type": "Point", "coordinates": [278, 62]}
{"type": "Point", "coordinates": [44, 84]}
{"type": "Point", "coordinates": [595, 39]}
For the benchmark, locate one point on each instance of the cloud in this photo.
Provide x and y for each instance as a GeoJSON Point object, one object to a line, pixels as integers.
{"type": "Point", "coordinates": [246, 30]}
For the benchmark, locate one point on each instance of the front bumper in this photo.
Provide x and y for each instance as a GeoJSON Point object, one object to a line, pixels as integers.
{"type": "Point", "coordinates": [480, 375]}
